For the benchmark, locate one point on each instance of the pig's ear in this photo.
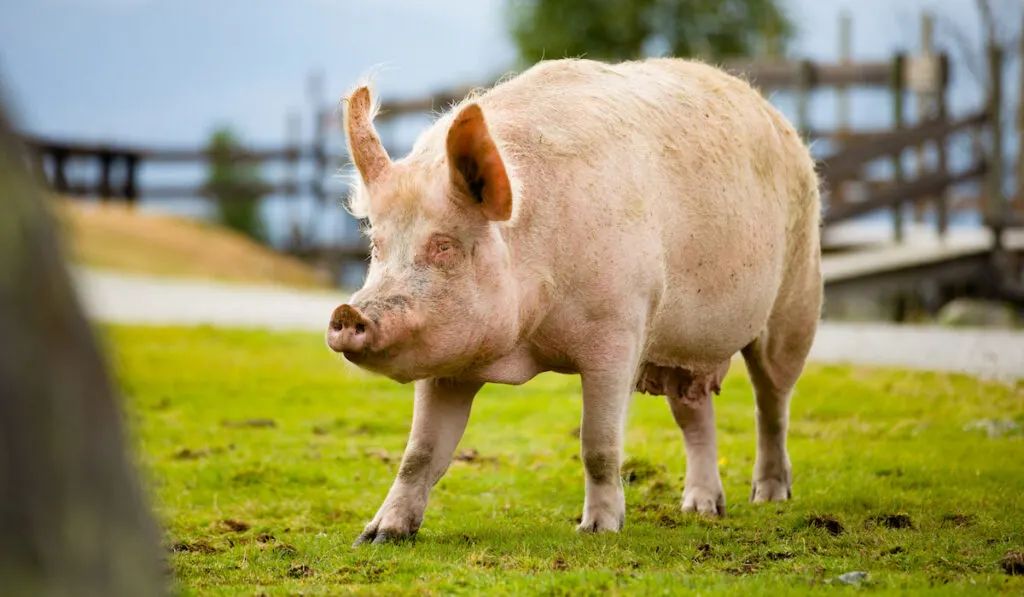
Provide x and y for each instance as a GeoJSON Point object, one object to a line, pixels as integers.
{"type": "Point", "coordinates": [476, 166]}
{"type": "Point", "coordinates": [368, 154]}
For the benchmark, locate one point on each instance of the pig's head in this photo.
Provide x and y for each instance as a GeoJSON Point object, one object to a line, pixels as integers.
{"type": "Point", "coordinates": [439, 295]}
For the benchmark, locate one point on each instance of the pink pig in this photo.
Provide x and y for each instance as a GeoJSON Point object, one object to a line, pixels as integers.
{"type": "Point", "coordinates": [637, 223]}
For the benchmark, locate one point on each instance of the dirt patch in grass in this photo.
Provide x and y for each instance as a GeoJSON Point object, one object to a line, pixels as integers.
{"type": "Point", "coordinates": [958, 519]}
{"type": "Point", "coordinates": [745, 567]}
{"type": "Point", "coordinates": [661, 491]}
{"type": "Point", "coordinates": [190, 454]}
{"type": "Point", "coordinates": [250, 423]}
{"type": "Point", "coordinates": [827, 522]}
{"type": "Point", "coordinates": [365, 572]}
{"type": "Point", "coordinates": [196, 454]}
{"type": "Point", "coordinates": [300, 571]}
{"type": "Point", "coordinates": [471, 455]}
{"type": "Point", "coordinates": [1013, 563]}
{"type": "Point", "coordinates": [198, 546]}
{"type": "Point", "coordinates": [893, 521]}
{"type": "Point", "coordinates": [667, 521]}
{"type": "Point", "coordinates": [384, 456]}
{"type": "Point", "coordinates": [704, 552]}
{"type": "Point", "coordinates": [235, 526]}
{"type": "Point", "coordinates": [638, 470]}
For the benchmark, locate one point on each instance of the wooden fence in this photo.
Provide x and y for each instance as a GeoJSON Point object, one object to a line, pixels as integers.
{"type": "Point", "coordinates": [923, 75]}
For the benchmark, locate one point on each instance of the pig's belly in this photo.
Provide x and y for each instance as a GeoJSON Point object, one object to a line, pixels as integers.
{"type": "Point", "coordinates": [704, 318]}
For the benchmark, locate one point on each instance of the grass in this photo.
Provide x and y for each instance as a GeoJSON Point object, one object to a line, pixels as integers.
{"type": "Point", "coordinates": [265, 456]}
{"type": "Point", "coordinates": [113, 237]}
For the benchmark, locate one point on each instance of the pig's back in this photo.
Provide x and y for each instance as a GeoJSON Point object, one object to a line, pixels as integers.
{"type": "Point", "coordinates": [673, 178]}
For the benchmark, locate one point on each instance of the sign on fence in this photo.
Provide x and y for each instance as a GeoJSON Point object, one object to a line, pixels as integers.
{"type": "Point", "coordinates": [923, 73]}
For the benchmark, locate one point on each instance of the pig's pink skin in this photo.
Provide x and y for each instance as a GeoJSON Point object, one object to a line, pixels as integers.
{"type": "Point", "coordinates": [627, 221]}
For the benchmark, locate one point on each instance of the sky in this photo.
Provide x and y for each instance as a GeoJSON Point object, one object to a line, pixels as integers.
{"type": "Point", "coordinates": [164, 73]}
{"type": "Point", "coordinates": [152, 71]}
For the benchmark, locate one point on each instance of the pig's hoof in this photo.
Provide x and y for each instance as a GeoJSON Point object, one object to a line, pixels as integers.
{"type": "Point", "coordinates": [770, 490]}
{"type": "Point", "coordinates": [704, 501]}
{"type": "Point", "coordinates": [373, 533]}
{"type": "Point", "coordinates": [602, 522]}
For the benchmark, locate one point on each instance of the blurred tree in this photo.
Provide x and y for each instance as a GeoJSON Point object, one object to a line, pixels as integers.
{"type": "Point", "coordinates": [628, 29]}
{"type": "Point", "coordinates": [73, 516]}
{"type": "Point", "coordinates": [235, 184]}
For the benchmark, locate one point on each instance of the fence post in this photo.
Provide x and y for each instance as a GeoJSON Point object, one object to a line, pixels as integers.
{"type": "Point", "coordinates": [897, 83]}
{"type": "Point", "coordinates": [842, 93]}
{"type": "Point", "coordinates": [293, 136]}
{"type": "Point", "coordinates": [131, 192]}
{"type": "Point", "coordinates": [60, 179]}
{"type": "Point", "coordinates": [924, 104]}
{"type": "Point", "coordinates": [995, 206]}
{"type": "Point", "coordinates": [1020, 128]}
{"type": "Point", "coordinates": [943, 199]}
{"type": "Point", "coordinates": [805, 82]}
{"type": "Point", "coordinates": [837, 194]}
{"type": "Point", "coordinates": [106, 162]}
{"type": "Point", "coordinates": [315, 91]}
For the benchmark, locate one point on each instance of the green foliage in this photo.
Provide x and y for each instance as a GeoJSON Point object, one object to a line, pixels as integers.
{"type": "Point", "coordinates": [266, 455]}
{"type": "Point", "coordinates": [235, 184]}
{"type": "Point", "coordinates": [627, 29]}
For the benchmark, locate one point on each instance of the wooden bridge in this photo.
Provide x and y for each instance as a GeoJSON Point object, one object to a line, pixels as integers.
{"type": "Point", "coordinates": [986, 261]}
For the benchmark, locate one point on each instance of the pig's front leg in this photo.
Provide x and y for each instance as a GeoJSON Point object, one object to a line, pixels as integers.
{"type": "Point", "coordinates": [438, 421]}
{"type": "Point", "coordinates": [606, 393]}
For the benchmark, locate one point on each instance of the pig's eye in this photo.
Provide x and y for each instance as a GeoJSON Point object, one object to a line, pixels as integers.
{"type": "Point", "coordinates": [442, 249]}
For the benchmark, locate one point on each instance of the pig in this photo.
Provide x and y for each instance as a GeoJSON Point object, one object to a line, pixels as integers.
{"type": "Point", "coordinates": [637, 223]}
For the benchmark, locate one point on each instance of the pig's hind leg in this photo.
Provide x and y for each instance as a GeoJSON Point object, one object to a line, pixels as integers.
{"type": "Point", "coordinates": [775, 361]}
{"type": "Point", "coordinates": [690, 396]}
{"type": "Point", "coordinates": [439, 419]}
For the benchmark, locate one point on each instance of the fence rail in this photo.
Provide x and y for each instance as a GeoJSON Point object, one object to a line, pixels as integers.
{"type": "Point", "coordinates": [924, 75]}
{"type": "Point", "coordinates": [848, 163]}
{"type": "Point", "coordinates": [767, 74]}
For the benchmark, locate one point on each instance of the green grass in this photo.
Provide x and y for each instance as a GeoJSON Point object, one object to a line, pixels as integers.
{"type": "Point", "coordinates": [272, 431]}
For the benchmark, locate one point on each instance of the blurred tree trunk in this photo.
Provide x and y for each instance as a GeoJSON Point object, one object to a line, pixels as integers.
{"type": "Point", "coordinates": [73, 519]}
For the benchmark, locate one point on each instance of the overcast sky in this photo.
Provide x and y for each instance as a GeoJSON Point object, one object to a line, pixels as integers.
{"type": "Point", "coordinates": [166, 72]}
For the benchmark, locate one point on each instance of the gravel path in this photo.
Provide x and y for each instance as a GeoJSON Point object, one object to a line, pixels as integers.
{"type": "Point", "coordinates": [125, 298]}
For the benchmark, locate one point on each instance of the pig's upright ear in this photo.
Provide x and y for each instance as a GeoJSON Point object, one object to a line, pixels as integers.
{"type": "Point", "coordinates": [368, 154]}
{"type": "Point", "coordinates": [476, 166]}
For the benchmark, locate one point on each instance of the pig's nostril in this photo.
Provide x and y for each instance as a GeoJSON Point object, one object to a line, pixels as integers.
{"type": "Point", "coordinates": [337, 325]}
{"type": "Point", "coordinates": [360, 328]}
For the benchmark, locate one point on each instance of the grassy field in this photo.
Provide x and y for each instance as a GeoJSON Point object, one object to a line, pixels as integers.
{"type": "Point", "coordinates": [113, 237]}
{"type": "Point", "coordinates": [266, 455]}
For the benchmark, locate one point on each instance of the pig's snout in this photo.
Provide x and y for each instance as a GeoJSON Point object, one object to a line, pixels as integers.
{"type": "Point", "coordinates": [350, 331]}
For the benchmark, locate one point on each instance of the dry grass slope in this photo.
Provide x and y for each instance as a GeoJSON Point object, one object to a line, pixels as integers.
{"type": "Point", "coordinates": [117, 238]}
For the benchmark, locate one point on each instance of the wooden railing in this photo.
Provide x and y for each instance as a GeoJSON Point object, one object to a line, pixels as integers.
{"type": "Point", "coordinates": [850, 162]}
{"type": "Point", "coordinates": [58, 154]}
{"type": "Point", "coordinates": [858, 149]}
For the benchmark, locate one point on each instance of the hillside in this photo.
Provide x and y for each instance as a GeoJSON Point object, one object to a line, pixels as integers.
{"type": "Point", "coordinates": [114, 237]}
